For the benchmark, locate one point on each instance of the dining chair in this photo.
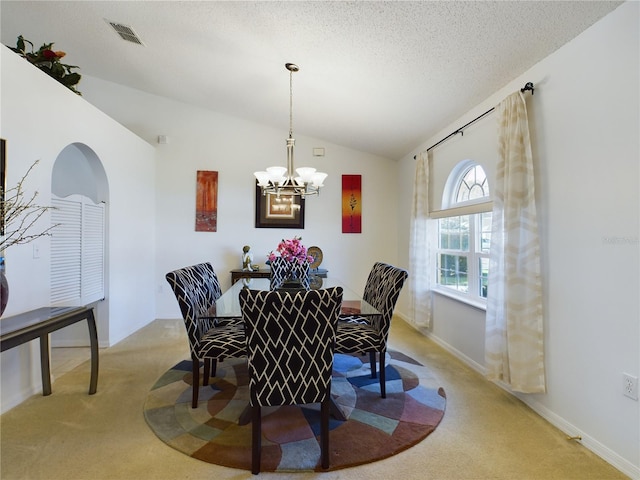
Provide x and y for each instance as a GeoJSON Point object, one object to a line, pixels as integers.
{"type": "Point", "coordinates": [210, 339]}
{"type": "Point", "coordinates": [282, 270]}
{"type": "Point", "coordinates": [358, 334]}
{"type": "Point", "coordinates": [290, 344]}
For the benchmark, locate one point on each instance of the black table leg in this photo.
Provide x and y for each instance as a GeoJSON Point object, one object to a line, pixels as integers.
{"type": "Point", "coordinates": [93, 338]}
{"type": "Point", "coordinates": [44, 364]}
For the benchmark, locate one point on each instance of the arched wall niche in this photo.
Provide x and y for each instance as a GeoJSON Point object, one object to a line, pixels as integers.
{"type": "Point", "coordinates": [78, 170]}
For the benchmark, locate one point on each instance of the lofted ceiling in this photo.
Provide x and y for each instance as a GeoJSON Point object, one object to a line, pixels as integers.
{"type": "Point", "coordinates": [377, 76]}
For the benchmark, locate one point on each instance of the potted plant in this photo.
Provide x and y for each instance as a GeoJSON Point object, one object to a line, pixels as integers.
{"type": "Point", "coordinates": [48, 60]}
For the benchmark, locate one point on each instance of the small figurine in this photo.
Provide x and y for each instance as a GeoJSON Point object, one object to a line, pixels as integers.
{"type": "Point", "coordinates": [247, 258]}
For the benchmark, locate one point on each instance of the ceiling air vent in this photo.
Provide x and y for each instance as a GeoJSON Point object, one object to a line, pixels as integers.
{"type": "Point", "coordinates": [125, 32]}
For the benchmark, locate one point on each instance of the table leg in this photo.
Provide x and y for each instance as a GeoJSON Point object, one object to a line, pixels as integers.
{"type": "Point", "coordinates": [44, 364]}
{"type": "Point", "coordinates": [93, 338]}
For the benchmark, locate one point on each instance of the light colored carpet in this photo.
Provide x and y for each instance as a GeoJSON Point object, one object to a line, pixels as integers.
{"type": "Point", "coordinates": [485, 433]}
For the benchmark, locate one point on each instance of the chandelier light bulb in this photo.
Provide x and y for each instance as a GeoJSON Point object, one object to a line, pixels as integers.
{"type": "Point", "coordinates": [306, 173]}
{"type": "Point", "coordinates": [318, 179]}
{"type": "Point", "coordinates": [263, 178]}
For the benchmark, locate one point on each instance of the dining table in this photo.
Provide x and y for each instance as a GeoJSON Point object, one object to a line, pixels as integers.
{"type": "Point", "coordinates": [228, 307]}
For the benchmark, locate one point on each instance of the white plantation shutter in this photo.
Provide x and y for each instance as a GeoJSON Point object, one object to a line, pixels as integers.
{"type": "Point", "coordinates": [77, 251]}
{"type": "Point", "coordinates": [66, 252]}
{"type": "Point", "coordinates": [92, 252]}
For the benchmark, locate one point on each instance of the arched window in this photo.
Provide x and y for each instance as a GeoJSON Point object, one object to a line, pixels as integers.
{"type": "Point", "coordinates": [464, 234]}
{"type": "Point", "coordinates": [473, 185]}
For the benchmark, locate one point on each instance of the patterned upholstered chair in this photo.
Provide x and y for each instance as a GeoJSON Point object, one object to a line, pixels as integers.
{"type": "Point", "coordinates": [281, 269]}
{"type": "Point", "coordinates": [290, 338]}
{"type": "Point", "coordinates": [197, 288]}
{"type": "Point", "coordinates": [369, 334]}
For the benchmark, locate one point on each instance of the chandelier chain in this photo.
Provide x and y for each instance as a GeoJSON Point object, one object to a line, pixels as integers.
{"type": "Point", "coordinates": [290, 103]}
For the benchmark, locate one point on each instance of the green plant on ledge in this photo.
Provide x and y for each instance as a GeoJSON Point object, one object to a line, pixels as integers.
{"type": "Point", "coordinates": [48, 61]}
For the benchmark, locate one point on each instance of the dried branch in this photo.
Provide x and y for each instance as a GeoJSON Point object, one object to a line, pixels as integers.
{"type": "Point", "coordinates": [20, 214]}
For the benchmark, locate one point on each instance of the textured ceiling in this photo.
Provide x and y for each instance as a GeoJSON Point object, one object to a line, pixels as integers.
{"type": "Point", "coordinates": [380, 77]}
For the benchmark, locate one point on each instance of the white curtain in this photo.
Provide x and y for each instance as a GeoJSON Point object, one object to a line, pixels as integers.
{"type": "Point", "coordinates": [514, 349]}
{"type": "Point", "coordinates": [420, 268]}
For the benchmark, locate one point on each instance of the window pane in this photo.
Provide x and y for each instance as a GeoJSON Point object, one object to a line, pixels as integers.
{"type": "Point", "coordinates": [485, 232]}
{"type": "Point", "coordinates": [452, 272]}
{"type": "Point", "coordinates": [484, 276]}
{"type": "Point", "coordinates": [473, 185]}
{"type": "Point", "coordinates": [451, 229]}
{"type": "Point", "coordinates": [454, 233]}
{"type": "Point", "coordinates": [464, 233]}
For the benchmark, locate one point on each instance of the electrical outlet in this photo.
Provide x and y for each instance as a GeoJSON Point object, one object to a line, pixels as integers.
{"type": "Point", "coordinates": [630, 386]}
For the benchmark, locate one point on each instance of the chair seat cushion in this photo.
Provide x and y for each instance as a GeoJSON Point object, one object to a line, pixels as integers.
{"type": "Point", "coordinates": [356, 337]}
{"type": "Point", "coordinates": [224, 341]}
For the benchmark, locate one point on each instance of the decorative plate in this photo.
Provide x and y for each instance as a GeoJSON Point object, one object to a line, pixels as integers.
{"type": "Point", "coordinates": [316, 253]}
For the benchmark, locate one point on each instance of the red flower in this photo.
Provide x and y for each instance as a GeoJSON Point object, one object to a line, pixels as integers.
{"type": "Point", "coordinates": [49, 54]}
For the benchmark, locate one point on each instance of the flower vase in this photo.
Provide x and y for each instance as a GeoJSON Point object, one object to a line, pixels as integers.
{"type": "Point", "coordinates": [292, 282]}
{"type": "Point", "coordinates": [4, 290]}
{"type": "Point", "coordinates": [289, 275]}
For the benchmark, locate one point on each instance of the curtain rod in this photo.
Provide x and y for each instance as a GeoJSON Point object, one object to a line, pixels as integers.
{"type": "Point", "coordinates": [528, 86]}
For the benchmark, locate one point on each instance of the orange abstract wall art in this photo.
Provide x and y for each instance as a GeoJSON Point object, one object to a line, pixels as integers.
{"type": "Point", "coordinates": [351, 203]}
{"type": "Point", "coordinates": [206, 201]}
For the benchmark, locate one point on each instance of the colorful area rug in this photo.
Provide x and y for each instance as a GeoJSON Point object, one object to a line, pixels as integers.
{"type": "Point", "coordinates": [375, 428]}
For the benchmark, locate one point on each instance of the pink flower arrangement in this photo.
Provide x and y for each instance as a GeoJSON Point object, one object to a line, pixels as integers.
{"type": "Point", "coordinates": [292, 251]}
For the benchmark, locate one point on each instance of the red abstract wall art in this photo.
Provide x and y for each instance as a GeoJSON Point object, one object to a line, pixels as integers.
{"type": "Point", "coordinates": [351, 203]}
{"type": "Point", "coordinates": [207, 201]}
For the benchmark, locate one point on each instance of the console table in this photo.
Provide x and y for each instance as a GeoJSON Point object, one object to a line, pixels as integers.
{"type": "Point", "coordinates": [237, 274]}
{"type": "Point", "coordinates": [39, 323]}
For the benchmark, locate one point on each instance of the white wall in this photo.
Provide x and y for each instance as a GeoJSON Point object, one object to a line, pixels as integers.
{"type": "Point", "coordinates": [585, 134]}
{"type": "Point", "coordinates": [40, 117]}
{"type": "Point", "coordinates": [203, 140]}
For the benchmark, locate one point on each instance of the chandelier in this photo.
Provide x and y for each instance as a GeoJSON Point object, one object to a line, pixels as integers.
{"type": "Point", "coordinates": [280, 180]}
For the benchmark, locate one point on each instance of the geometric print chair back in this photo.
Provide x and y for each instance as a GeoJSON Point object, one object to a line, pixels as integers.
{"type": "Point", "coordinates": [358, 334]}
{"type": "Point", "coordinates": [196, 288]}
{"type": "Point", "coordinates": [290, 337]}
{"type": "Point", "coordinates": [382, 290]}
{"type": "Point", "coordinates": [282, 269]}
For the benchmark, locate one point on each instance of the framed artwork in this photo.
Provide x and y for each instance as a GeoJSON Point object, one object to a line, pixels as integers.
{"type": "Point", "coordinates": [206, 201]}
{"type": "Point", "coordinates": [285, 211]}
{"type": "Point", "coordinates": [351, 203]}
{"type": "Point", "coordinates": [3, 180]}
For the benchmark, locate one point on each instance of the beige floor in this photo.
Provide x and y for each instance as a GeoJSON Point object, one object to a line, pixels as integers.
{"type": "Point", "coordinates": [485, 433]}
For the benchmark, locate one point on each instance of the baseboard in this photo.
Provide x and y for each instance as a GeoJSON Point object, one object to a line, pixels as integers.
{"type": "Point", "coordinates": [588, 442]}
{"type": "Point", "coordinates": [560, 423]}
{"type": "Point", "coordinates": [17, 398]}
